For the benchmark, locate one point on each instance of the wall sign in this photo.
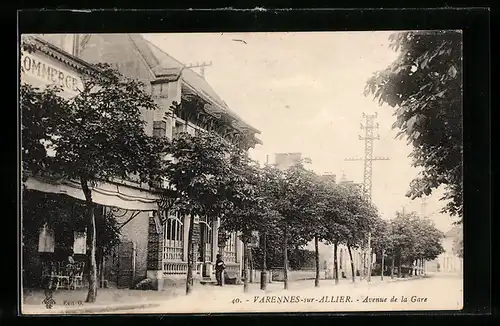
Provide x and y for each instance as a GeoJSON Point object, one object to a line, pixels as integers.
{"type": "Point", "coordinates": [80, 243]}
{"type": "Point", "coordinates": [50, 73]}
{"type": "Point", "coordinates": [46, 240]}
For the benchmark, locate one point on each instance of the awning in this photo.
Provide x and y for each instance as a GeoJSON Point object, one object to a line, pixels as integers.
{"type": "Point", "coordinates": [106, 194]}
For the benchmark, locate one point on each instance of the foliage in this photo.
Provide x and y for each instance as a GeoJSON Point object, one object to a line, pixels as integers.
{"type": "Point", "coordinates": [381, 238]}
{"type": "Point", "coordinates": [97, 135]}
{"type": "Point", "coordinates": [61, 212]}
{"type": "Point", "coordinates": [301, 259]}
{"type": "Point", "coordinates": [274, 249]}
{"type": "Point", "coordinates": [57, 211]}
{"type": "Point", "coordinates": [108, 233]}
{"type": "Point", "coordinates": [415, 238]}
{"type": "Point", "coordinates": [248, 210]}
{"type": "Point", "coordinates": [425, 84]}
{"type": "Point", "coordinates": [296, 201]}
{"type": "Point", "coordinates": [198, 172]}
{"type": "Point", "coordinates": [356, 216]}
{"type": "Point", "coordinates": [458, 244]}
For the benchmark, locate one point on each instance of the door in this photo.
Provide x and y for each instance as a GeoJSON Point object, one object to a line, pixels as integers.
{"type": "Point", "coordinates": [122, 261]}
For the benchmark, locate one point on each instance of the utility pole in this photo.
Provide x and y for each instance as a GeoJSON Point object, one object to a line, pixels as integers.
{"type": "Point", "coordinates": [423, 206]}
{"type": "Point", "coordinates": [202, 66]}
{"type": "Point", "coordinates": [369, 126]}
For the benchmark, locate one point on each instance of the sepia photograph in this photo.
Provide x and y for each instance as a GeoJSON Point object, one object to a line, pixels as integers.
{"type": "Point", "coordinates": [194, 173]}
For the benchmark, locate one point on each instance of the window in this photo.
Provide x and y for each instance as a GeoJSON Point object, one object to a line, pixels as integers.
{"type": "Point", "coordinates": [178, 127]}
{"type": "Point", "coordinates": [174, 236]}
{"type": "Point", "coordinates": [159, 128]}
{"type": "Point", "coordinates": [230, 249]}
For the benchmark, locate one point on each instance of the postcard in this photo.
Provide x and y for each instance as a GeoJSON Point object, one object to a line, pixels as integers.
{"type": "Point", "coordinates": [241, 172]}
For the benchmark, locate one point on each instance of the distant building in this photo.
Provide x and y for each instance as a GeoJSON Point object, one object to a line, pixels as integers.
{"type": "Point", "coordinates": [329, 177]}
{"type": "Point", "coordinates": [283, 161]}
{"type": "Point", "coordinates": [448, 261]}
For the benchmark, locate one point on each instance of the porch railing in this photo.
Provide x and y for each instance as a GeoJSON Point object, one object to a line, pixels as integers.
{"type": "Point", "coordinates": [233, 267]}
{"type": "Point", "coordinates": [172, 253]}
{"type": "Point", "coordinates": [180, 268]}
{"type": "Point", "coordinates": [229, 257]}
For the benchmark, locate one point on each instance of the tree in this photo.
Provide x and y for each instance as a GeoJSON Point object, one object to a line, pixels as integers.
{"type": "Point", "coordinates": [429, 241]}
{"type": "Point", "coordinates": [317, 221]}
{"type": "Point", "coordinates": [198, 173]}
{"type": "Point", "coordinates": [355, 218]}
{"type": "Point", "coordinates": [381, 241]}
{"type": "Point", "coordinates": [330, 226]}
{"type": "Point", "coordinates": [247, 209]}
{"type": "Point", "coordinates": [296, 202]}
{"type": "Point", "coordinates": [98, 135]}
{"type": "Point", "coordinates": [425, 84]}
{"type": "Point", "coordinates": [414, 238]}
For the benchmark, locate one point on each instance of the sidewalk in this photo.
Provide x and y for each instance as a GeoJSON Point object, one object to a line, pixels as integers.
{"type": "Point", "coordinates": [113, 300]}
{"type": "Point", "coordinates": [73, 301]}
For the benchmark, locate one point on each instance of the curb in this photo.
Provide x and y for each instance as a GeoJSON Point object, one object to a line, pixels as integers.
{"type": "Point", "coordinates": [408, 279]}
{"type": "Point", "coordinates": [94, 309]}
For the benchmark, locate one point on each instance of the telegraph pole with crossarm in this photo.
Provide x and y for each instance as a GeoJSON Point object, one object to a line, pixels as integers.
{"type": "Point", "coordinates": [370, 126]}
{"type": "Point", "coordinates": [202, 66]}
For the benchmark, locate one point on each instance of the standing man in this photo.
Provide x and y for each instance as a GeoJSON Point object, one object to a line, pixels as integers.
{"type": "Point", "coordinates": [219, 270]}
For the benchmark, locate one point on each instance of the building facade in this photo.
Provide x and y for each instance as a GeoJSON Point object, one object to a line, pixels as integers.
{"type": "Point", "coordinates": [448, 261]}
{"type": "Point", "coordinates": [154, 243]}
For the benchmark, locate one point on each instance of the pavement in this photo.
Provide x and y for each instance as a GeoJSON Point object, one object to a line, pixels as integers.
{"type": "Point", "coordinates": [108, 299]}
{"type": "Point", "coordinates": [442, 292]}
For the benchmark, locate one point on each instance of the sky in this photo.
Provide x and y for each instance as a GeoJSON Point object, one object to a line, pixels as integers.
{"type": "Point", "coordinates": [304, 92]}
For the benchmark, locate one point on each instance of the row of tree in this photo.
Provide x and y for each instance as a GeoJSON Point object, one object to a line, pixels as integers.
{"type": "Point", "coordinates": [99, 135]}
{"type": "Point", "coordinates": [407, 241]}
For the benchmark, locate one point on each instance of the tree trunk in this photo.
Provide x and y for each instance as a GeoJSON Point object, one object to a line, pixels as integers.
{"type": "Point", "coordinates": [101, 270]}
{"type": "Point", "coordinates": [92, 294]}
{"type": "Point", "coordinates": [245, 267]}
{"type": "Point", "coordinates": [250, 258]}
{"type": "Point", "coordinates": [382, 266]}
{"type": "Point", "coordinates": [352, 263]}
{"type": "Point", "coordinates": [190, 262]}
{"type": "Point", "coordinates": [285, 258]}
{"type": "Point", "coordinates": [263, 276]}
{"type": "Point", "coordinates": [370, 254]}
{"type": "Point", "coordinates": [399, 268]}
{"type": "Point", "coordinates": [316, 257]}
{"type": "Point", "coordinates": [335, 262]}
{"type": "Point", "coordinates": [392, 266]}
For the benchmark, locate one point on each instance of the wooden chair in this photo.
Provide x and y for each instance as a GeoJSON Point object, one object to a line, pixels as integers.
{"type": "Point", "coordinates": [63, 275]}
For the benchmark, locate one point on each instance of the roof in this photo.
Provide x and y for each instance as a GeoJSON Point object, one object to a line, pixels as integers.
{"type": "Point", "coordinates": [63, 56]}
{"type": "Point", "coordinates": [165, 66]}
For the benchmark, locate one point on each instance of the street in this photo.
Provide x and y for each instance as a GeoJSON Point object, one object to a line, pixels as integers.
{"type": "Point", "coordinates": [436, 292]}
